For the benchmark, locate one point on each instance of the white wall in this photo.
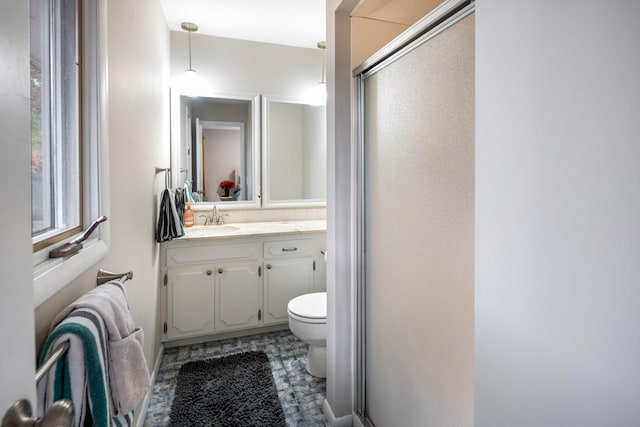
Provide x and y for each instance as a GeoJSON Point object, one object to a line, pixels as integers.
{"type": "Point", "coordinates": [138, 56]}
{"type": "Point", "coordinates": [139, 140]}
{"type": "Point", "coordinates": [339, 233]}
{"type": "Point", "coordinates": [16, 316]}
{"type": "Point", "coordinates": [557, 214]}
{"type": "Point", "coordinates": [229, 65]}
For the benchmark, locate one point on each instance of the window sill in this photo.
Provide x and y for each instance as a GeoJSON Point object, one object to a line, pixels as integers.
{"type": "Point", "coordinates": [52, 275]}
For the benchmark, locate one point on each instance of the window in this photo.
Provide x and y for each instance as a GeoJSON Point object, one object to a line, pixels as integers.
{"type": "Point", "coordinates": [69, 109]}
{"type": "Point", "coordinates": [55, 121]}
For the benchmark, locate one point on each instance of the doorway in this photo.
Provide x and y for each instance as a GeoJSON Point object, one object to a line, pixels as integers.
{"type": "Point", "coordinates": [220, 155]}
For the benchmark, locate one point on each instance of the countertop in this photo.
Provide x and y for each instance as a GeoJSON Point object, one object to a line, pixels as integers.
{"type": "Point", "coordinates": [248, 229]}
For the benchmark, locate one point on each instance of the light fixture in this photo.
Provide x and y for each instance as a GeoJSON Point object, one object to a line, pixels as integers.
{"type": "Point", "coordinates": [318, 94]}
{"type": "Point", "coordinates": [189, 82]}
{"type": "Point", "coordinates": [190, 27]}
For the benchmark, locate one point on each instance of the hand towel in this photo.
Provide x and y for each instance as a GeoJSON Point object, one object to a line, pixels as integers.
{"type": "Point", "coordinates": [169, 223]}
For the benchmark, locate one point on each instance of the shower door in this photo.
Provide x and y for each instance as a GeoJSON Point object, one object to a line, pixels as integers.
{"type": "Point", "coordinates": [416, 213]}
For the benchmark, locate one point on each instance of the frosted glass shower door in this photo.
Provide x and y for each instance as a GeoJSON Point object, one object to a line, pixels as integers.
{"type": "Point", "coordinates": [418, 152]}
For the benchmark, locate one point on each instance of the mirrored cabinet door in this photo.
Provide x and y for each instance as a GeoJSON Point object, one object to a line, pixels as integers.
{"type": "Point", "coordinates": [294, 156]}
{"type": "Point", "coordinates": [216, 147]}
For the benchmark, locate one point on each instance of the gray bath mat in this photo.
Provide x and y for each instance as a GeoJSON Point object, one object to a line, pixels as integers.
{"type": "Point", "coordinates": [231, 391]}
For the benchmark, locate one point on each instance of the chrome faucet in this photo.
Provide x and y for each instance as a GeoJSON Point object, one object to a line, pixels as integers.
{"type": "Point", "coordinates": [218, 218]}
{"type": "Point", "coordinates": [208, 220]}
{"type": "Point", "coordinates": [215, 216]}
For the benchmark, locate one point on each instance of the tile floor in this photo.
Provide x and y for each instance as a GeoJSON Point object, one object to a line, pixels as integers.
{"type": "Point", "coordinates": [301, 394]}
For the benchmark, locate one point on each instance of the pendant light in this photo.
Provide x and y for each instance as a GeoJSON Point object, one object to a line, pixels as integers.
{"type": "Point", "coordinates": [318, 94]}
{"type": "Point", "coordinates": [190, 82]}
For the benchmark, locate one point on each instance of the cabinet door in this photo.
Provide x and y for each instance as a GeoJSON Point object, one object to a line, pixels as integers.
{"type": "Point", "coordinates": [190, 301]}
{"type": "Point", "coordinates": [285, 280]}
{"type": "Point", "coordinates": [238, 295]}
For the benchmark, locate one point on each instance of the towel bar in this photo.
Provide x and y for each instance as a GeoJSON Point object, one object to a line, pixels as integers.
{"type": "Point", "coordinates": [167, 176]}
{"type": "Point", "coordinates": [48, 364]}
{"type": "Point", "coordinates": [105, 276]}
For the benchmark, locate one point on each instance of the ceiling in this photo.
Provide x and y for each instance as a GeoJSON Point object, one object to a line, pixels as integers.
{"type": "Point", "coordinates": [406, 12]}
{"type": "Point", "coordinates": [288, 22]}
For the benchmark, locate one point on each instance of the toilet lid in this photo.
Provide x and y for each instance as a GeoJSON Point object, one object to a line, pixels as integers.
{"type": "Point", "coordinates": [310, 306]}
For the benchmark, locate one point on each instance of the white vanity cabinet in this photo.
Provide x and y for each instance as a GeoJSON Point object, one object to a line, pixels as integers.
{"type": "Point", "coordinates": [211, 287]}
{"type": "Point", "coordinates": [227, 284]}
{"type": "Point", "coordinates": [289, 270]}
{"type": "Point", "coordinates": [191, 298]}
{"type": "Point", "coordinates": [238, 295]}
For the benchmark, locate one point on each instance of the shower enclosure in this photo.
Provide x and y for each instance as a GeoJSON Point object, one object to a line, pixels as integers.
{"type": "Point", "coordinates": [415, 112]}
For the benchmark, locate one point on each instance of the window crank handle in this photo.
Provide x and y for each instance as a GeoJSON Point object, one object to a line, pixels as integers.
{"type": "Point", "coordinates": [87, 233]}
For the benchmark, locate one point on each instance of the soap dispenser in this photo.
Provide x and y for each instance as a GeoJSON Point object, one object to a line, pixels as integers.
{"type": "Point", "coordinates": [187, 217]}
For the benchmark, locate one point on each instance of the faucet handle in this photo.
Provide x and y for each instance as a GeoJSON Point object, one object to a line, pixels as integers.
{"type": "Point", "coordinates": [221, 219]}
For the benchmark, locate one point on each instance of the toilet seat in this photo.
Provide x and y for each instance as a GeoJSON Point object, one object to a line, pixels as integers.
{"type": "Point", "coordinates": [309, 308]}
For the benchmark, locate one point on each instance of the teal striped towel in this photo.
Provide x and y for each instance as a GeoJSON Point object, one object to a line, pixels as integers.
{"type": "Point", "coordinates": [104, 372]}
{"type": "Point", "coordinates": [82, 374]}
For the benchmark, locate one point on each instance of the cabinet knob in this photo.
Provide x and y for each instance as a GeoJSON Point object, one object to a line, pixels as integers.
{"type": "Point", "coordinates": [220, 270]}
{"type": "Point", "coordinates": [209, 272]}
{"type": "Point", "coordinates": [268, 266]}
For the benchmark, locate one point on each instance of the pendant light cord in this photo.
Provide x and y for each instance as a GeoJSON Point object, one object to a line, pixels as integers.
{"type": "Point", "coordinates": [190, 68]}
{"type": "Point", "coordinates": [323, 65]}
{"type": "Point", "coordinates": [189, 27]}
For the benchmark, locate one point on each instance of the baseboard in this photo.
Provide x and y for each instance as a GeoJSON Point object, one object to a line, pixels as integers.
{"type": "Point", "coordinates": [356, 421]}
{"type": "Point", "coordinates": [332, 421]}
{"type": "Point", "coordinates": [142, 411]}
{"type": "Point", "coordinates": [225, 335]}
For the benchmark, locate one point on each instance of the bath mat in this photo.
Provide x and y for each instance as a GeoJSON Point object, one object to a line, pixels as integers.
{"type": "Point", "coordinates": [231, 391]}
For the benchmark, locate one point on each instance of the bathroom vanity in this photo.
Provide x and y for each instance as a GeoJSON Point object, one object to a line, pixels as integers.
{"type": "Point", "coordinates": [221, 280]}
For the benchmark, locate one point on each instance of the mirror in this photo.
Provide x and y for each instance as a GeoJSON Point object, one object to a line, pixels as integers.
{"type": "Point", "coordinates": [216, 138]}
{"type": "Point", "coordinates": [215, 147]}
{"type": "Point", "coordinates": [294, 155]}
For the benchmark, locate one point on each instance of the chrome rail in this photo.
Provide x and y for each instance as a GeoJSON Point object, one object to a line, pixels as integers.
{"type": "Point", "coordinates": [105, 276]}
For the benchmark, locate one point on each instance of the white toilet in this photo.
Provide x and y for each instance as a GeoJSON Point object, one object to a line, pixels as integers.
{"type": "Point", "coordinates": [308, 321]}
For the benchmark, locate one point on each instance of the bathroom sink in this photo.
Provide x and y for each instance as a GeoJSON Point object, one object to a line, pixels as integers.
{"type": "Point", "coordinates": [223, 227]}
{"type": "Point", "coordinates": [210, 230]}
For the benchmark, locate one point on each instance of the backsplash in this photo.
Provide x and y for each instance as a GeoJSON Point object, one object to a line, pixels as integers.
{"type": "Point", "coordinates": [264, 215]}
